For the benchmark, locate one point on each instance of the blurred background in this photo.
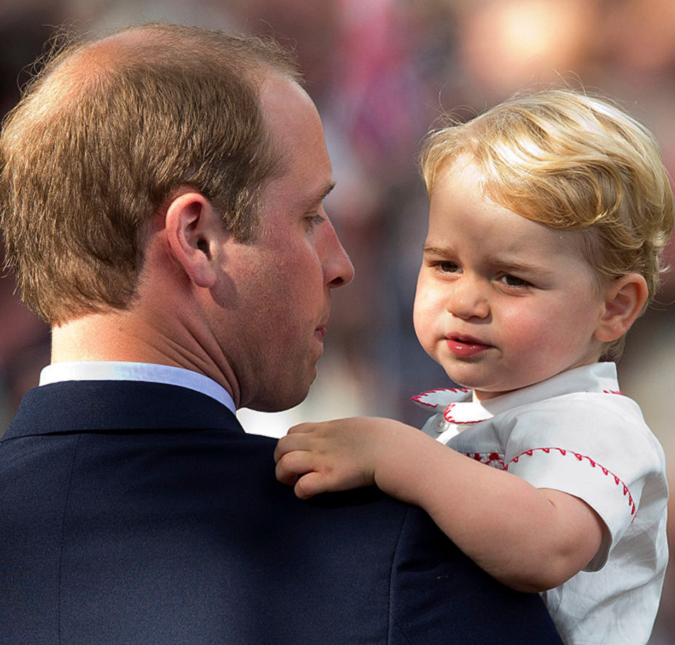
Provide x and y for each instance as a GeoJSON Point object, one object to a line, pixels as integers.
{"type": "Point", "coordinates": [381, 73]}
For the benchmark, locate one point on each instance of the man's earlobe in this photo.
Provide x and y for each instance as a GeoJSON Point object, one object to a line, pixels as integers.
{"type": "Point", "coordinates": [625, 298]}
{"type": "Point", "coordinates": [192, 228]}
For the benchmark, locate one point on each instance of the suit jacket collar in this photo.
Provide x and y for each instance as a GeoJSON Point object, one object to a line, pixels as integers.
{"type": "Point", "coordinates": [104, 406]}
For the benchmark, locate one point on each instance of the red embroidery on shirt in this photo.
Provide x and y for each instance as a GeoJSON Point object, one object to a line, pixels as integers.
{"type": "Point", "coordinates": [418, 397]}
{"type": "Point", "coordinates": [447, 415]}
{"type": "Point", "coordinates": [492, 459]}
{"type": "Point", "coordinates": [612, 392]}
{"type": "Point", "coordinates": [605, 471]}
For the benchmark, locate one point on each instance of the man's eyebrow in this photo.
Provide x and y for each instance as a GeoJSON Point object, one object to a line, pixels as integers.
{"type": "Point", "coordinates": [327, 189]}
{"type": "Point", "coordinates": [315, 199]}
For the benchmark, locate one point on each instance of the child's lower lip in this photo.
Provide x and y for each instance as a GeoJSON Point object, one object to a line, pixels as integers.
{"type": "Point", "coordinates": [466, 348]}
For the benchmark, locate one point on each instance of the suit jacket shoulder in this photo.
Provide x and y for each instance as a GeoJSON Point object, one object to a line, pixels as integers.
{"type": "Point", "coordinates": [134, 512]}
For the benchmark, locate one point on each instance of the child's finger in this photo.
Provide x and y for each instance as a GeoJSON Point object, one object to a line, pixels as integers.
{"type": "Point", "coordinates": [287, 477]}
{"type": "Point", "coordinates": [289, 443]}
{"type": "Point", "coordinates": [291, 465]}
{"type": "Point", "coordinates": [310, 484]}
{"type": "Point", "coordinates": [301, 428]}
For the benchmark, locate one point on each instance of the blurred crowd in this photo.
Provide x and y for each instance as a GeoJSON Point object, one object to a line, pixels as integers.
{"type": "Point", "coordinates": [382, 72]}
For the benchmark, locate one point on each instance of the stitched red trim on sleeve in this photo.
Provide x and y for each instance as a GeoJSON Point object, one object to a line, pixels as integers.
{"type": "Point", "coordinates": [593, 464]}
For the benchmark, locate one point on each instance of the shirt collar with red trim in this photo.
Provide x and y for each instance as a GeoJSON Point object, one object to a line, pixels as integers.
{"type": "Point", "coordinates": [460, 405]}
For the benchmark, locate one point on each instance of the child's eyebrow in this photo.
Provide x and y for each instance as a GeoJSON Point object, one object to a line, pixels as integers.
{"type": "Point", "coordinates": [522, 267]}
{"type": "Point", "coordinates": [436, 250]}
{"type": "Point", "coordinates": [506, 265]}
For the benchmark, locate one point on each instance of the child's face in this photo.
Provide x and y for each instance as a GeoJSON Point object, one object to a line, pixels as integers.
{"type": "Point", "coordinates": [502, 302]}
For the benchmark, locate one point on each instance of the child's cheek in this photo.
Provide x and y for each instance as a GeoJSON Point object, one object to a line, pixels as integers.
{"type": "Point", "coordinates": [426, 322]}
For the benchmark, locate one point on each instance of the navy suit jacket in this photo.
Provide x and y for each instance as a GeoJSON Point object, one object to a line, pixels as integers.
{"type": "Point", "coordinates": [142, 513]}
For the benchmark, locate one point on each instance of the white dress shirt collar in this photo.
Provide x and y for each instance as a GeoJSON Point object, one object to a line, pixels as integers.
{"type": "Point", "coordinates": [148, 372]}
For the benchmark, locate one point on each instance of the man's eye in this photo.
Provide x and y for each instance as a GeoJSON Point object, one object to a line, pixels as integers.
{"type": "Point", "coordinates": [315, 219]}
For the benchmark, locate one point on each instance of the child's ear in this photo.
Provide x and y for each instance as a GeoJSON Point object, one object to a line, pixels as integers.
{"type": "Point", "coordinates": [624, 299]}
{"type": "Point", "coordinates": [193, 228]}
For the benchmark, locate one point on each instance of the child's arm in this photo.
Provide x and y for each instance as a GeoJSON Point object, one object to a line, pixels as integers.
{"type": "Point", "coordinates": [530, 539]}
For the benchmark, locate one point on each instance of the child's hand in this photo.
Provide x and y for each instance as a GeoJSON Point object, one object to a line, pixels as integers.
{"type": "Point", "coordinates": [331, 456]}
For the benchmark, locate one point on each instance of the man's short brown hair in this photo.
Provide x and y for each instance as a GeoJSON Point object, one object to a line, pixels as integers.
{"type": "Point", "coordinates": [102, 138]}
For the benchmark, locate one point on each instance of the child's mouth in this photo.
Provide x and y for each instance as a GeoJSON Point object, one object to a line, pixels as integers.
{"type": "Point", "coordinates": [466, 346]}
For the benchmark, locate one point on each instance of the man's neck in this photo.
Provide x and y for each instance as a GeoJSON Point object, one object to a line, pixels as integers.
{"type": "Point", "coordinates": [126, 337]}
{"type": "Point", "coordinates": [101, 337]}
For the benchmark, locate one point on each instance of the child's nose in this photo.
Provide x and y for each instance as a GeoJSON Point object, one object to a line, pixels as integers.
{"type": "Point", "coordinates": [468, 299]}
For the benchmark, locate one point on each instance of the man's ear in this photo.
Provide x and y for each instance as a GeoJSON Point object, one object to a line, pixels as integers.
{"type": "Point", "coordinates": [624, 299]}
{"type": "Point", "coordinates": [193, 230]}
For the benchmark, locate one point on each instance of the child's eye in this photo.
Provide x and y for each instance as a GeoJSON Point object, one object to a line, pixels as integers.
{"type": "Point", "coordinates": [513, 281]}
{"type": "Point", "coordinates": [447, 267]}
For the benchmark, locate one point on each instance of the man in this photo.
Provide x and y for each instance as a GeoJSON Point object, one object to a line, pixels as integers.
{"type": "Point", "coordinates": [162, 208]}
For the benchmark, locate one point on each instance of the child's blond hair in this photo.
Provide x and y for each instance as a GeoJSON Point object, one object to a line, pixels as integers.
{"type": "Point", "coordinates": [570, 162]}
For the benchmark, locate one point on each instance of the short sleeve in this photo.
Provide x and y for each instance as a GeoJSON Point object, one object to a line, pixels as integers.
{"type": "Point", "coordinates": [593, 446]}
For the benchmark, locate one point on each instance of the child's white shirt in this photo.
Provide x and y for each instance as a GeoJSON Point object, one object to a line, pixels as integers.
{"type": "Point", "coordinates": [578, 434]}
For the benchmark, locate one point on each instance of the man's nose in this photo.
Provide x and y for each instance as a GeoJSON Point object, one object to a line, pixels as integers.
{"type": "Point", "coordinates": [338, 268]}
